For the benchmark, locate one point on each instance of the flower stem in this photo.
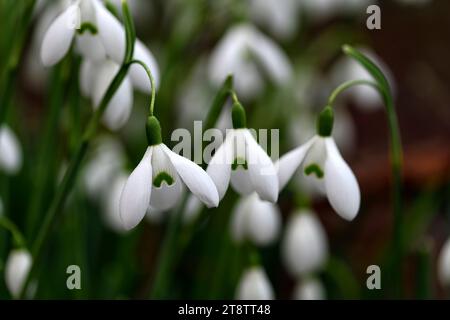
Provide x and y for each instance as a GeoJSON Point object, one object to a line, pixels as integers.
{"type": "Point", "coordinates": [152, 83]}
{"type": "Point", "coordinates": [19, 240]}
{"type": "Point", "coordinates": [396, 162]}
{"type": "Point", "coordinates": [74, 166]}
{"type": "Point", "coordinates": [348, 85]}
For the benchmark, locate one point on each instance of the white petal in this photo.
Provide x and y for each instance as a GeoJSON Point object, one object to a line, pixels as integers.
{"type": "Point", "coordinates": [111, 32]}
{"type": "Point", "coordinates": [239, 219]}
{"type": "Point", "coordinates": [254, 285]}
{"type": "Point", "coordinates": [444, 265]}
{"type": "Point", "coordinates": [17, 267]}
{"type": "Point", "coordinates": [88, 73]}
{"type": "Point", "coordinates": [119, 108]}
{"type": "Point", "coordinates": [195, 178]}
{"type": "Point", "coordinates": [261, 170]}
{"type": "Point", "coordinates": [135, 197]}
{"type": "Point", "coordinates": [58, 37]}
{"type": "Point", "coordinates": [272, 58]}
{"type": "Point", "coordinates": [111, 204]}
{"type": "Point", "coordinates": [164, 197]}
{"type": "Point", "coordinates": [304, 246]}
{"type": "Point", "coordinates": [264, 221]}
{"type": "Point", "coordinates": [289, 163]}
{"type": "Point", "coordinates": [90, 47]}
{"type": "Point", "coordinates": [340, 183]}
{"type": "Point", "coordinates": [219, 168]}
{"type": "Point", "coordinates": [193, 207]}
{"type": "Point", "coordinates": [137, 74]}
{"type": "Point", "coordinates": [240, 181]}
{"type": "Point", "coordinates": [309, 289]}
{"type": "Point", "coordinates": [10, 151]}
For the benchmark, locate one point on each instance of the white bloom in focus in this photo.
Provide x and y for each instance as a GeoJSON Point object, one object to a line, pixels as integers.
{"type": "Point", "coordinates": [366, 97]}
{"type": "Point", "coordinates": [305, 245]}
{"type": "Point", "coordinates": [280, 16]}
{"type": "Point", "coordinates": [17, 267]}
{"type": "Point", "coordinates": [10, 151]}
{"type": "Point", "coordinates": [157, 182]}
{"type": "Point", "coordinates": [254, 285]}
{"type": "Point", "coordinates": [255, 220]}
{"type": "Point", "coordinates": [321, 159]}
{"type": "Point", "coordinates": [242, 52]}
{"type": "Point", "coordinates": [444, 265]}
{"type": "Point", "coordinates": [309, 289]}
{"type": "Point", "coordinates": [241, 160]}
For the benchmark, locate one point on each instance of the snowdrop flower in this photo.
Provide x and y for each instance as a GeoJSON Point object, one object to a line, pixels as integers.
{"type": "Point", "coordinates": [280, 16]}
{"type": "Point", "coordinates": [241, 160]}
{"type": "Point", "coordinates": [366, 97]}
{"type": "Point", "coordinates": [96, 76]}
{"type": "Point", "coordinates": [254, 285]}
{"type": "Point", "coordinates": [10, 151]}
{"type": "Point", "coordinates": [157, 180]}
{"type": "Point", "coordinates": [111, 201]}
{"type": "Point", "coordinates": [305, 246]}
{"type": "Point", "coordinates": [241, 52]}
{"type": "Point", "coordinates": [17, 267]}
{"type": "Point", "coordinates": [444, 264]}
{"type": "Point", "coordinates": [106, 160]}
{"type": "Point", "coordinates": [320, 157]}
{"type": "Point", "coordinates": [309, 289]}
{"type": "Point", "coordinates": [255, 220]}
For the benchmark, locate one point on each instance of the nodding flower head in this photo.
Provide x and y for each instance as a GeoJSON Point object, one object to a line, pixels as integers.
{"type": "Point", "coordinates": [322, 160]}
{"type": "Point", "coordinates": [158, 179]}
{"type": "Point", "coordinates": [11, 153]}
{"type": "Point", "coordinates": [254, 285]}
{"type": "Point", "coordinates": [17, 267]}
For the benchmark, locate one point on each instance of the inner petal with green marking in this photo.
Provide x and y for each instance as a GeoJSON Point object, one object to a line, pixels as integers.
{"type": "Point", "coordinates": [314, 168]}
{"type": "Point", "coordinates": [239, 162]}
{"type": "Point", "coordinates": [162, 177]}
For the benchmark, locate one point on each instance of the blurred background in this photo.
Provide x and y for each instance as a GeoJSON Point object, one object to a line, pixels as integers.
{"type": "Point", "coordinates": [48, 113]}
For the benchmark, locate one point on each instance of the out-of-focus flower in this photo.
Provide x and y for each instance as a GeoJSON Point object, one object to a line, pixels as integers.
{"type": "Point", "coordinates": [17, 267]}
{"type": "Point", "coordinates": [106, 160]}
{"type": "Point", "coordinates": [305, 245]}
{"type": "Point", "coordinates": [320, 157]}
{"type": "Point", "coordinates": [444, 264]}
{"type": "Point", "coordinates": [309, 289]}
{"type": "Point", "coordinates": [249, 55]}
{"type": "Point", "coordinates": [156, 182]}
{"type": "Point", "coordinates": [366, 97]}
{"type": "Point", "coordinates": [243, 161]}
{"type": "Point", "coordinates": [255, 220]}
{"type": "Point", "coordinates": [254, 285]}
{"type": "Point", "coordinates": [10, 151]}
{"type": "Point", "coordinates": [281, 17]}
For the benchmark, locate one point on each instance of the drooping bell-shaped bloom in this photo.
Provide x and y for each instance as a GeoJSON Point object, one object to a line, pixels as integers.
{"type": "Point", "coordinates": [255, 220]}
{"type": "Point", "coordinates": [17, 267]}
{"type": "Point", "coordinates": [367, 98]}
{"type": "Point", "coordinates": [444, 264]}
{"type": "Point", "coordinates": [242, 52]}
{"type": "Point", "coordinates": [309, 289]}
{"type": "Point", "coordinates": [322, 160]}
{"type": "Point", "coordinates": [254, 285]}
{"type": "Point", "coordinates": [281, 17]}
{"type": "Point", "coordinates": [157, 182]}
{"type": "Point", "coordinates": [243, 162]}
{"type": "Point", "coordinates": [10, 151]}
{"type": "Point", "coordinates": [305, 245]}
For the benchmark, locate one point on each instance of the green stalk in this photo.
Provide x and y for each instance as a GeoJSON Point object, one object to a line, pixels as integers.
{"type": "Point", "coordinates": [19, 240]}
{"type": "Point", "coordinates": [396, 157]}
{"type": "Point", "coordinates": [75, 165]}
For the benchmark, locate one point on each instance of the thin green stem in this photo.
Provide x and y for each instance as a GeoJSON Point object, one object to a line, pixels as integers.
{"type": "Point", "coordinates": [152, 83]}
{"type": "Point", "coordinates": [348, 85]}
{"type": "Point", "coordinates": [396, 152]}
{"type": "Point", "coordinates": [218, 103]}
{"type": "Point", "coordinates": [71, 174]}
{"type": "Point", "coordinates": [19, 240]}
